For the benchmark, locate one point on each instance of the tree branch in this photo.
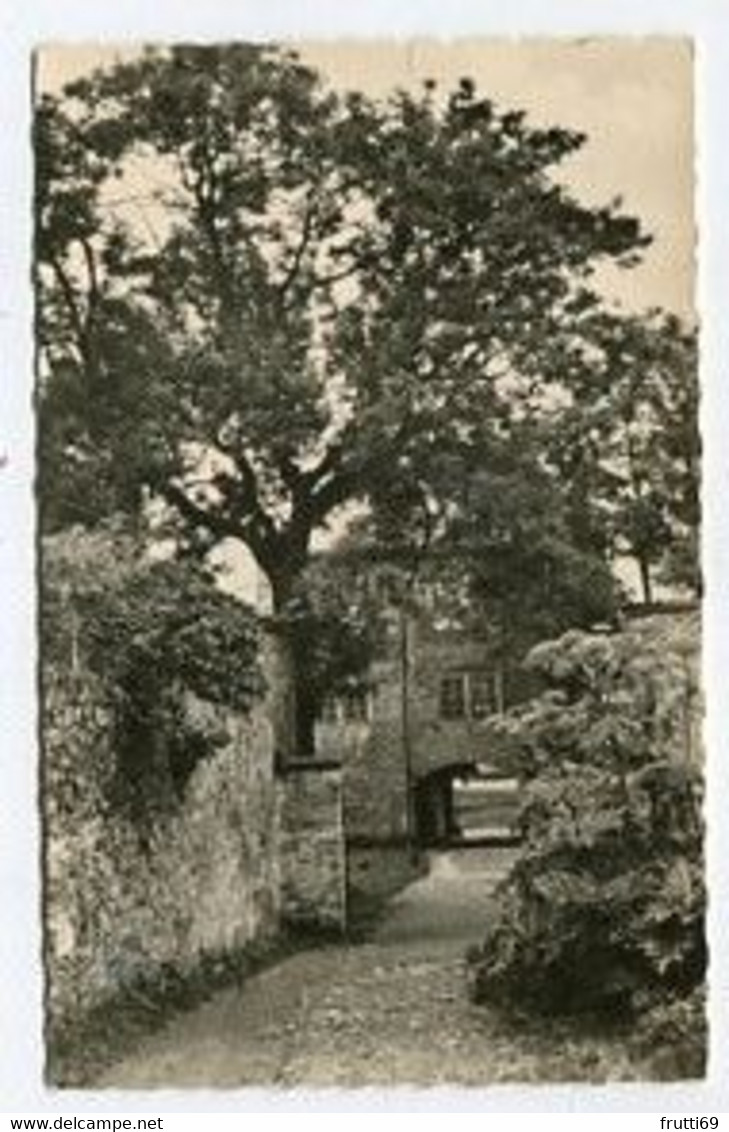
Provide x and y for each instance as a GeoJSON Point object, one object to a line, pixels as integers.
{"type": "Point", "coordinates": [219, 525]}
{"type": "Point", "coordinates": [304, 241]}
{"type": "Point", "coordinates": [78, 322]}
{"type": "Point", "coordinates": [90, 259]}
{"type": "Point", "coordinates": [243, 508]}
{"type": "Point", "coordinates": [337, 276]}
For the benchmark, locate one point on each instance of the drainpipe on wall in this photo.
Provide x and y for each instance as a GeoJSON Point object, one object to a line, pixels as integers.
{"type": "Point", "coordinates": [405, 723]}
{"type": "Point", "coordinates": [499, 687]}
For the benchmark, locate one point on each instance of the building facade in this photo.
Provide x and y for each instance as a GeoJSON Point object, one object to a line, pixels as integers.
{"type": "Point", "coordinates": [418, 731]}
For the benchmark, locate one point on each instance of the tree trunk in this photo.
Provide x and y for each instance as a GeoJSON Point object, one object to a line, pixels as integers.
{"type": "Point", "coordinates": [294, 705]}
{"type": "Point", "coordinates": [645, 580]}
{"type": "Point", "coordinates": [306, 710]}
{"type": "Point", "coordinates": [283, 698]}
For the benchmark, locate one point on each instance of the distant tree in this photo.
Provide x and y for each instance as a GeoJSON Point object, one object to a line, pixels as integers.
{"type": "Point", "coordinates": [628, 445]}
{"type": "Point", "coordinates": [530, 578]}
{"type": "Point", "coordinates": [339, 297]}
{"type": "Point", "coordinates": [497, 551]}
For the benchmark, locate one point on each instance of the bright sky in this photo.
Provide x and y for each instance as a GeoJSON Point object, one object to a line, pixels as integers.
{"type": "Point", "coordinates": [632, 96]}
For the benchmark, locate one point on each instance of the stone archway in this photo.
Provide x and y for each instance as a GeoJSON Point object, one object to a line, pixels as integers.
{"type": "Point", "coordinates": [459, 805]}
{"type": "Point", "coordinates": [435, 822]}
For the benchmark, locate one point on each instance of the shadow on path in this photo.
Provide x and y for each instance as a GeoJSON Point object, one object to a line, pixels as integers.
{"type": "Point", "coordinates": [393, 1010]}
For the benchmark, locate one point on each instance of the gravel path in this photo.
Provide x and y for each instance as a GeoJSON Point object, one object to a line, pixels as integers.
{"type": "Point", "coordinates": [391, 1011]}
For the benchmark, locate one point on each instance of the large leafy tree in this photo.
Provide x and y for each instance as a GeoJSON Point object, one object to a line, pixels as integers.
{"type": "Point", "coordinates": [338, 299]}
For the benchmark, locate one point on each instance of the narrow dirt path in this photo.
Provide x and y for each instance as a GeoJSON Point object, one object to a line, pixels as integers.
{"type": "Point", "coordinates": [391, 1011]}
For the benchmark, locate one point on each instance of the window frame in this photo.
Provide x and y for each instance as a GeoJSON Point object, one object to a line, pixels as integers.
{"type": "Point", "coordinates": [473, 707]}
{"type": "Point", "coordinates": [453, 679]}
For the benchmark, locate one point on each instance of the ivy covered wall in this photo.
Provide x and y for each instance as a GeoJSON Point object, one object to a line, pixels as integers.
{"type": "Point", "coordinates": [169, 838]}
{"type": "Point", "coordinates": [122, 904]}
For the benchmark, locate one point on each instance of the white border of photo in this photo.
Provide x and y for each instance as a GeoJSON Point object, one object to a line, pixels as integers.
{"type": "Point", "coordinates": [27, 26]}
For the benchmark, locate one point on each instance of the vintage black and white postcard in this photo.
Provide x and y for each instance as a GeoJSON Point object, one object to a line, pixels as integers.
{"type": "Point", "coordinates": [368, 499]}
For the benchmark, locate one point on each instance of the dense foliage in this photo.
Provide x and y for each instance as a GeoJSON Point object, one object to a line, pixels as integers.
{"type": "Point", "coordinates": [529, 574]}
{"type": "Point", "coordinates": [163, 641]}
{"type": "Point", "coordinates": [604, 909]}
{"type": "Point", "coordinates": [317, 298]}
{"type": "Point", "coordinates": [335, 621]}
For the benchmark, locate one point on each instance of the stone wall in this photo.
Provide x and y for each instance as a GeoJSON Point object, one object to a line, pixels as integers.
{"type": "Point", "coordinates": [119, 907]}
{"type": "Point", "coordinates": [313, 866]}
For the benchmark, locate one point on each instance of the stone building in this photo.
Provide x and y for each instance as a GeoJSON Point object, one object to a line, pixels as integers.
{"type": "Point", "coordinates": [415, 746]}
{"type": "Point", "coordinates": [420, 758]}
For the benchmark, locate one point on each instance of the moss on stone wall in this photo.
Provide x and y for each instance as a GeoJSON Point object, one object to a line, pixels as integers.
{"type": "Point", "coordinates": [117, 906]}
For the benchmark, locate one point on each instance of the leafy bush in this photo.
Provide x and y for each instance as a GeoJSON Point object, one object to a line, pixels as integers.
{"type": "Point", "coordinates": [604, 910]}
{"type": "Point", "coordinates": [167, 646]}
